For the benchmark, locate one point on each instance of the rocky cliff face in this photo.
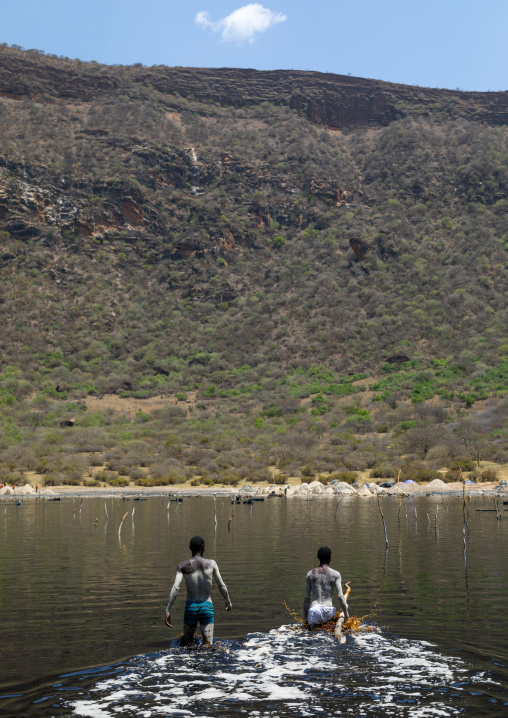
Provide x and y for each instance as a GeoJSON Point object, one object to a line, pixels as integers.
{"type": "Point", "coordinates": [335, 101]}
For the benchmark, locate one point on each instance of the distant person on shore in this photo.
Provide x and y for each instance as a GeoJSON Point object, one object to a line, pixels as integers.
{"type": "Point", "coordinates": [198, 573]}
{"type": "Point", "coordinates": [320, 585]}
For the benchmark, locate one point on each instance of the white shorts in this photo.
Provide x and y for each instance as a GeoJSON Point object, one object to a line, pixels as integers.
{"type": "Point", "coordinates": [320, 614]}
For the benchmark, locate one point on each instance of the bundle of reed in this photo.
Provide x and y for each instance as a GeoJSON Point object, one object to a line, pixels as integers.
{"type": "Point", "coordinates": [338, 626]}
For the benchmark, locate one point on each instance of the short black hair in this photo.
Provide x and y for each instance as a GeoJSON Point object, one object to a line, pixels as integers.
{"type": "Point", "coordinates": [324, 554]}
{"type": "Point", "coordinates": [196, 543]}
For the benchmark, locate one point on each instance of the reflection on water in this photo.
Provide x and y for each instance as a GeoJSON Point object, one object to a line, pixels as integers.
{"type": "Point", "coordinates": [76, 595]}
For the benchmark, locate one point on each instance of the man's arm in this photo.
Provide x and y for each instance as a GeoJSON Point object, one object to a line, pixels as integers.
{"type": "Point", "coordinates": [342, 599]}
{"type": "Point", "coordinates": [222, 587]}
{"type": "Point", "coordinates": [172, 596]}
{"type": "Point", "coordinates": [306, 600]}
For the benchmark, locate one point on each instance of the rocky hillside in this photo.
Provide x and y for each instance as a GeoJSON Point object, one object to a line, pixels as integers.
{"type": "Point", "coordinates": [336, 101]}
{"type": "Point", "coordinates": [284, 247]}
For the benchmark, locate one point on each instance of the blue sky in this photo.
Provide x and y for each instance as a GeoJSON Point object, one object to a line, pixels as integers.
{"type": "Point", "coordinates": [433, 44]}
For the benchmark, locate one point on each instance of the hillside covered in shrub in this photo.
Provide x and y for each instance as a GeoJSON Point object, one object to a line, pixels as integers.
{"type": "Point", "coordinates": [304, 295]}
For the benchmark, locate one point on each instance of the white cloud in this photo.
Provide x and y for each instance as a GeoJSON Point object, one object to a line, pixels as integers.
{"type": "Point", "coordinates": [243, 23]}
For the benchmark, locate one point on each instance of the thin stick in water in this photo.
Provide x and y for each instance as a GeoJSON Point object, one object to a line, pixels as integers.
{"type": "Point", "coordinates": [383, 519]}
{"type": "Point", "coordinates": [398, 493]}
{"type": "Point", "coordinates": [121, 523]}
{"type": "Point", "coordinates": [338, 504]}
{"type": "Point", "coordinates": [232, 514]}
{"type": "Point", "coordinates": [498, 515]}
{"type": "Point", "coordinates": [106, 510]}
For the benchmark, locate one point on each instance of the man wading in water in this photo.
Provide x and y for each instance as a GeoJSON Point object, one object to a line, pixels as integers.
{"type": "Point", "coordinates": [198, 573]}
{"type": "Point", "coordinates": [321, 583]}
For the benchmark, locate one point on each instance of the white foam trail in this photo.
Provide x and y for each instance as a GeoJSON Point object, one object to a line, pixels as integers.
{"type": "Point", "coordinates": [287, 673]}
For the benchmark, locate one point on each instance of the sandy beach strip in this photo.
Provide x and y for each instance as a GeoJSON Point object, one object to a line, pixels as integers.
{"type": "Point", "coordinates": [314, 490]}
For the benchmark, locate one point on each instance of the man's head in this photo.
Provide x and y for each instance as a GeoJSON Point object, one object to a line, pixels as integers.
{"type": "Point", "coordinates": [197, 545]}
{"type": "Point", "coordinates": [324, 555]}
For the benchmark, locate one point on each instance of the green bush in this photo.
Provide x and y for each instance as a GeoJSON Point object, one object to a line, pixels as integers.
{"type": "Point", "coordinates": [70, 482]}
{"type": "Point", "coordinates": [118, 482]}
{"type": "Point", "coordinates": [90, 483]}
{"type": "Point", "coordinates": [229, 479]}
{"type": "Point", "coordinates": [307, 472]}
{"type": "Point", "coordinates": [485, 475]}
{"type": "Point", "coordinates": [358, 413]}
{"type": "Point", "coordinates": [51, 481]}
{"type": "Point", "coordinates": [464, 464]}
{"type": "Point", "coordinates": [451, 476]}
{"type": "Point", "coordinates": [202, 481]}
{"type": "Point", "coordinates": [260, 476]}
{"type": "Point", "coordinates": [383, 471]}
{"type": "Point", "coordinates": [106, 476]}
{"type": "Point", "coordinates": [156, 482]}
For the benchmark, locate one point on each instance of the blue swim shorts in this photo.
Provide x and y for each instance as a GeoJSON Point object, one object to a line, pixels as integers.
{"type": "Point", "coordinates": [198, 611]}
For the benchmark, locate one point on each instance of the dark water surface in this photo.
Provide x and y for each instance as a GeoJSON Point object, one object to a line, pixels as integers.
{"type": "Point", "coordinates": [82, 611]}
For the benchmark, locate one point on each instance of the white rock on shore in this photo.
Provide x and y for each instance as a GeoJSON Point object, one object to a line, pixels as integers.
{"type": "Point", "coordinates": [364, 491]}
{"type": "Point", "coordinates": [343, 488]}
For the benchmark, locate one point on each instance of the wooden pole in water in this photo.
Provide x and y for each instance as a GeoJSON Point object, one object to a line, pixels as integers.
{"type": "Point", "coordinates": [338, 504]}
{"type": "Point", "coordinates": [383, 519]}
{"type": "Point", "coordinates": [232, 514]}
{"type": "Point", "coordinates": [463, 513]}
{"type": "Point", "coordinates": [498, 515]}
{"type": "Point", "coordinates": [398, 493]}
{"type": "Point", "coordinates": [121, 522]}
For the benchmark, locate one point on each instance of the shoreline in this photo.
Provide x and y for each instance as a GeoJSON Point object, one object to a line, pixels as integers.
{"type": "Point", "coordinates": [316, 490]}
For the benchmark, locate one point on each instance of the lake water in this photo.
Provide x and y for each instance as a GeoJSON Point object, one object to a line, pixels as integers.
{"type": "Point", "coordinates": [82, 610]}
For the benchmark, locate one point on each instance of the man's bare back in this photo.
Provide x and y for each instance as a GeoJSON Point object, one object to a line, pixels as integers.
{"type": "Point", "coordinates": [198, 573]}
{"type": "Point", "coordinates": [320, 584]}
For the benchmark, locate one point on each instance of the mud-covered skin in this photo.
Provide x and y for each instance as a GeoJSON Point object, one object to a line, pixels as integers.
{"type": "Point", "coordinates": [320, 585]}
{"type": "Point", "coordinates": [198, 573]}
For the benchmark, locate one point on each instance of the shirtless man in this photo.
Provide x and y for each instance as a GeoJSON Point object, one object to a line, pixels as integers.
{"type": "Point", "coordinates": [321, 583]}
{"type": "Point", "coordinates": [198, 573]}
